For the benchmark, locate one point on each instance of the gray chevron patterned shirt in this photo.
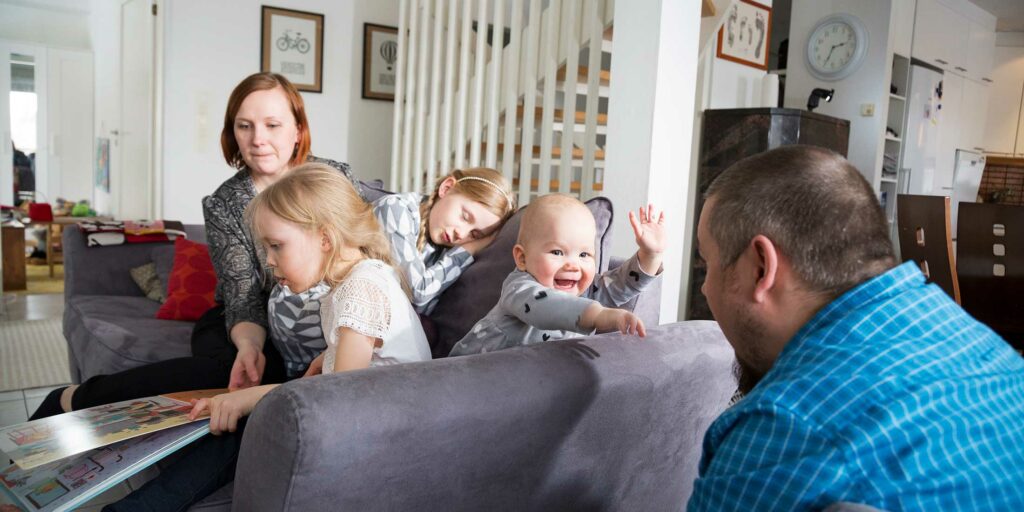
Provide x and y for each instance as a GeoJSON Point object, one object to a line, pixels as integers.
{"type": "Point", "coordinates": [243, 285]}
{"type": "Point", "coordinates": [295, 327]}
{"type": "Point", "coordinates": [428, 272]}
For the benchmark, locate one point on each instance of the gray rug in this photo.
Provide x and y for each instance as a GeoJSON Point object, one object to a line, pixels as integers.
{"type": "Point", "coordinates": [33, 354]}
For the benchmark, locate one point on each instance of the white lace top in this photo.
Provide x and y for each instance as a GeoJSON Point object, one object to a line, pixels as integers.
{"type": "Point", "coordinates": [371, 302]}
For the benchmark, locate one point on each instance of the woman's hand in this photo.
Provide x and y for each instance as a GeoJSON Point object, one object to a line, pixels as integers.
{"type": "Point", "coordinates": [248, 368]}
{"type": "Point", "coordinates": [226, 409]}
{"type": "Point", "coordinates": [316, 367]}
{"type": "Point", "coordinates": [649, 228]}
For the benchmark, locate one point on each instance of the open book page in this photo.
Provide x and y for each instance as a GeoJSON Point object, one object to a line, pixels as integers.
{"type": "Point", "coordinates": [50, 439]}
{"type": "Point", "coordinates": [70, 482]}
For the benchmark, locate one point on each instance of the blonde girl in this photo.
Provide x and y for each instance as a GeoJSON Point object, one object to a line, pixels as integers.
{"type": "Point", "coordinates": [319, 234]}
{"type": "Point", "coordinates": [435, 237]}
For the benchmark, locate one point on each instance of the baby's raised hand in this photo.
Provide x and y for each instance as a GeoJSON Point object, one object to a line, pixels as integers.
{"type": "Point", "coordinates": [649, 227]}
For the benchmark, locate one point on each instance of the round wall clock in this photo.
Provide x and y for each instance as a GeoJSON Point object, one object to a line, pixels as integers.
{"type": "Point", "coordinates": [837, 46]}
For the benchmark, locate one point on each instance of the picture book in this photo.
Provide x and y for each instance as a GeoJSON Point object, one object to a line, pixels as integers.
{"type": "Point", "coordinates": [71, 482]}
{"type": "Point", "coordinates": [46, 440]}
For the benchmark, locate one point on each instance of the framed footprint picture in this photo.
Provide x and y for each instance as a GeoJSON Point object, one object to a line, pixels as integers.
{"type": "Point", "coordinates": [745, 33]}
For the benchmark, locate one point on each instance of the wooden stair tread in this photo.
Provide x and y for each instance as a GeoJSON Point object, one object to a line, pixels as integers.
{"type": "Point", "coordinates": [581, 76]}
{"type": "Point", "coordinates": [556, 151]}
{"type": "Point", "coordinates": [559, 115]}
{"type": "Point", "coordinates": [574, 186]}
{"type": "Point", "coordinates": [707, 8]}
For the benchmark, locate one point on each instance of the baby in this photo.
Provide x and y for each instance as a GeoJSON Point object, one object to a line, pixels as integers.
{"type": "Point", "coordinates": [552, 293]}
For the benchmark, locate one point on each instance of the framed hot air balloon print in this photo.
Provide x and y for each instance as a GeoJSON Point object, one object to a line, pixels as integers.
{"type": "Point", "coordinates": [380, 61]}
{"type": "Point", "coordinates": [292, 44]}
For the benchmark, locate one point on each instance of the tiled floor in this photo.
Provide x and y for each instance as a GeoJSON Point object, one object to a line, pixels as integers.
{"type": "Point", "coordinates": [16, 406]}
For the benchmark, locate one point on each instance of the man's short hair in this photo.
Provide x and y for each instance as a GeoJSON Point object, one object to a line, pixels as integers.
{"type": "Point", "coordinates": [813, 205]}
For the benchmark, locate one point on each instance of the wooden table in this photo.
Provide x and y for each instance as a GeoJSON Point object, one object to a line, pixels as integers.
{"type": "Point", "coordinates": [60, 222]}
{"type": "Point", "coordinates": [14, 258]}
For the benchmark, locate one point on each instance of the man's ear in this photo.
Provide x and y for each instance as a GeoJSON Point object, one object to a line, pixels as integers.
{"type": "Point", "coordinates": [519, 255]}
{"type": "Point", "coordinates": [445, 186]}
{"type": "Point", "coordinates": [766, 259]}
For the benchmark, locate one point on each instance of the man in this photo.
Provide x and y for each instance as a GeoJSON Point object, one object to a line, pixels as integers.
{"type": "Point", "coordinates": [863, 384]}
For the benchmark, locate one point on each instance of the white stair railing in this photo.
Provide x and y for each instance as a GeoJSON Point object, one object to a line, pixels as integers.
{"type": "Point", "coordinates": [448, 109]}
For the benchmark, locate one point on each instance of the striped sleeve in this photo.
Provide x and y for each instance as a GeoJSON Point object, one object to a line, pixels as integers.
{"type": "Point", "coordinates": [399, 216]}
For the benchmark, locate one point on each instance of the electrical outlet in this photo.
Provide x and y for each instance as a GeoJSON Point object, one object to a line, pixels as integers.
{"type": "Point", "coordinates": [867, 109]}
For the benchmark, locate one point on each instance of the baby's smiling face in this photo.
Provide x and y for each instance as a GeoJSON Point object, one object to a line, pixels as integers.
{"type": "Point", "coordinates": [559, 251]}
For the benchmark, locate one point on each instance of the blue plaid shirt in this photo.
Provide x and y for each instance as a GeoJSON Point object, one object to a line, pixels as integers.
{"type": "Point", "coordinates": [891, 396]}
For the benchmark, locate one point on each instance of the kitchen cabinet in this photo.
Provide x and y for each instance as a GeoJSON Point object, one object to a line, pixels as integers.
{"type": "Point", "coordinates": [974, 112]}
{"type": "Point", "coordinates": [941, 36]}
{"type": "Point", "coordinates": [981, 45]}
{"type": "Point", "coordinates": [1004, 106]}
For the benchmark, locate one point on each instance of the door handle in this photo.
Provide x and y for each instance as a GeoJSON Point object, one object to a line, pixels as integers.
{"type": "Point", "coordinates": [940, 61]}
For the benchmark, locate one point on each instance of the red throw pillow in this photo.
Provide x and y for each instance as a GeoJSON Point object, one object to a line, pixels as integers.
{"type": "Point", "coordinates": [191, 284]}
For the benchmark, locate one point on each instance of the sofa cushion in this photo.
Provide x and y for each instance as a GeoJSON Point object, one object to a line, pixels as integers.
{"type": "Point", "coordinates": [190, 290]}
{"type": "Point", "coordinates": [475, 292]}
{"type": "Point", "coordinates": [145, 276]}
{"type": "Point", "coordinates": [111, 333]}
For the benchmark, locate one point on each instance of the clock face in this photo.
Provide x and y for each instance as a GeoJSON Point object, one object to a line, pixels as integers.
{"type": "Point", "coordinates": [836, 46]}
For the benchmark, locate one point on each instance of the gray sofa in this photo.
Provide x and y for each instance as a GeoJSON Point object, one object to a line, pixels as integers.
{"type": "Point", "coordinates": [596, 423]}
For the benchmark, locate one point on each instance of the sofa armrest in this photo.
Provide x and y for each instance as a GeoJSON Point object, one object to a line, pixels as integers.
{"type": "Point", "coordinates": [551, 426]}
{"type": "Point", "coordinates": [104, 270]}
{"type": "Point", "coordinates": [647, 305]}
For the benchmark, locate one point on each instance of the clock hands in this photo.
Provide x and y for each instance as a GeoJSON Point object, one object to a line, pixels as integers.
{"type": "Point", "coordinates": [833, 49]}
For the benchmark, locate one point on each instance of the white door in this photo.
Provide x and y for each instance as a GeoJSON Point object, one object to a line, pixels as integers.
{"type": "Point", "coordinates": [133, 178]}
{"type": "Point", "coordinates": [70, 122]}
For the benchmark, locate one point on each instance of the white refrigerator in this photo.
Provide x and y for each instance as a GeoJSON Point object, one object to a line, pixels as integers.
{"type": "Point", "coordinates": [966, 181]}
{"type": "Point", "coordinates": [921, 140]}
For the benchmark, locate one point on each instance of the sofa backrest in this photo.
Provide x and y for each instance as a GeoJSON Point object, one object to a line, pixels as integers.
{"type": "Point", "coordinates": [104, 270]}
{"type": "Point", "coordinates": [600, 423]}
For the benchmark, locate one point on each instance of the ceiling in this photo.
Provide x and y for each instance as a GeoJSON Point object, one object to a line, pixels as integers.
{"type": "Point", "coordinates": [1009, 13]}
{"type": "Point", "coordinates": [66, 6]}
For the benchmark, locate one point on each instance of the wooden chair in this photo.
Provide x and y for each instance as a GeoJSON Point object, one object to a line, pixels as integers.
{"type": "Point", "coordinates": [990, 263]}
{"type": "Point", "coordinates": [925, 237]}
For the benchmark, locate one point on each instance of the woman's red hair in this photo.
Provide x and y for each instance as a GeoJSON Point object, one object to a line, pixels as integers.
{"type": "Point", "coordinates": [263, 82]}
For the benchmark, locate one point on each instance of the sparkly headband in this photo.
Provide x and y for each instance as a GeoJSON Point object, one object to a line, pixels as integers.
{"type": "Point", "coordinates": [508, 197]}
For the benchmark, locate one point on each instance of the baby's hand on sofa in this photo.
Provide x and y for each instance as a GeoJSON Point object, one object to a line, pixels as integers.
{"type": "Point", "coordinates": [603, 319]}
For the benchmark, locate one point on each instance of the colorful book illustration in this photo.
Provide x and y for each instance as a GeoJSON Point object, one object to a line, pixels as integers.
{"type": "Point", "coordinates": [43, 441]}
{"type": "Point", "coordinates": [69, 483]}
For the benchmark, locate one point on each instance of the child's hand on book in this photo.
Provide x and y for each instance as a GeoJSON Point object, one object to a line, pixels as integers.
{"type": "Point", "coordinates": [225, 410]}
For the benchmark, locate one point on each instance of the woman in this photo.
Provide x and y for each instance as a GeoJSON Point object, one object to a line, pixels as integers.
{"type": "Point", "coordinates": [265, 135]}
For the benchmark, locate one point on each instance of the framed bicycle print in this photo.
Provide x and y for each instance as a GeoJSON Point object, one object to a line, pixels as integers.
{"type": "Point", "coordinates": [292, 44]}
{"type": "Point", "coordinates": [380, 53]}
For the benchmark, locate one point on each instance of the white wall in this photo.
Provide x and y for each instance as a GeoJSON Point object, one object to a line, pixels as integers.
{"type": "Point", "coordinates": [105, 39]}
{"type": "Point", "coordinates": [370, 121]}
{"type": "Point", "coordinates": [734, 85]}
{"type": "Point", "coordinates": [53, 27]}
{"type": "Point", "coordinates": [208, 47]}
{"type": "Point", "coordinates": [868, 85]}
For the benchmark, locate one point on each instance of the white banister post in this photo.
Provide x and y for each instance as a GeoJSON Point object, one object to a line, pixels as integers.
{"type": "Point", "coordinates": [650, 125]}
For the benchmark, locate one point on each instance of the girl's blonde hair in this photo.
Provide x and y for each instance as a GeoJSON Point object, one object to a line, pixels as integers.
{"type": "Point", "coordinates": [316, 197]}
{"type": "Point", "coordinates": [481, 184]}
